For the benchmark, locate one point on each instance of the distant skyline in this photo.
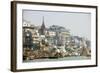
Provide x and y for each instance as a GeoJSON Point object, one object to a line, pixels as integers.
{"type": "Point", "coordinates": [79, 24]}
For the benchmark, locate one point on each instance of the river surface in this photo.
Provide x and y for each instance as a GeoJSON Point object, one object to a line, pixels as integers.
{"type": "Point", "coordinates": [59, 59]}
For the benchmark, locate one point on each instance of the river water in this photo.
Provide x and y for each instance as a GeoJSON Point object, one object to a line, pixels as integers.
{"type": "Point", "coordinates": [60, 59]}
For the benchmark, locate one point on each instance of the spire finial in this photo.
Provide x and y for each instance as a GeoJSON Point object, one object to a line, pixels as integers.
{"type": "Point", "coordinates": [43, 24]}
{"type": "Point", "coordinates": [43, 21]}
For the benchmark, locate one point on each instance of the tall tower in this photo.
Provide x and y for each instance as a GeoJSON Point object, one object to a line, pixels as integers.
{"type": "Point", "coordinates": [42, 29]}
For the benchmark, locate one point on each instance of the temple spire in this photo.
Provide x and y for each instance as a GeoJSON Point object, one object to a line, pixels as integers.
{"type": "Point", "coordinates": [43, 27]}
{"type": "Point", "coordinates": [43, 24]}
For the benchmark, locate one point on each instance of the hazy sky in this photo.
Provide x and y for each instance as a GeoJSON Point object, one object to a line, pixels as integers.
{"type": "Point", "coordinates": [78, 23]}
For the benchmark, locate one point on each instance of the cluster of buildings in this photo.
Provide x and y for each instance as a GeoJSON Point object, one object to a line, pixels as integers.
{"type": "Point", "coordinates": [54, 38]}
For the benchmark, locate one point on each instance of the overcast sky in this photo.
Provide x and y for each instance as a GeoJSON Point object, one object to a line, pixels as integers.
{"type": "Point", "coordinates": [78, 23]}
